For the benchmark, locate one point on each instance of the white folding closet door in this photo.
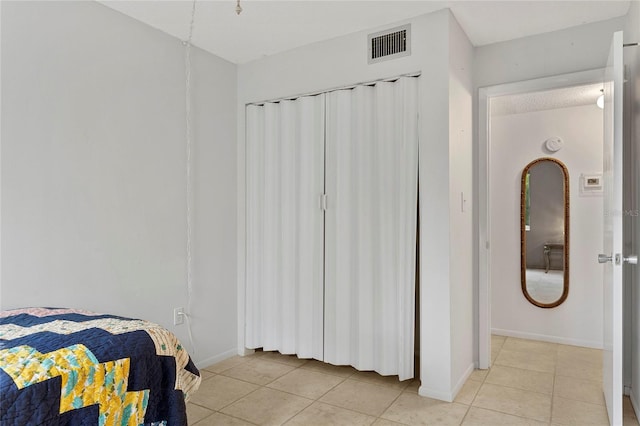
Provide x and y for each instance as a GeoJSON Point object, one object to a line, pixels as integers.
{"type": "Point", "coordinates": [367, 303]}
{"type": "Point", "coordinates": [254, 164]}
{"type": "Point", "coordinates": [370, 235]}
{"type": "Point", "coordinates": [285, 179]}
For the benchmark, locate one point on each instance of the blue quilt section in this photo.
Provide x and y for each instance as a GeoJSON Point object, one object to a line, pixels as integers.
{"type": "Point", "coordinates": [145, 374]}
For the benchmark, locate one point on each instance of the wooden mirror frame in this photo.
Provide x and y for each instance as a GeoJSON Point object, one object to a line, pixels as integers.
{"type": "Point", "coordinates": [523, 236]}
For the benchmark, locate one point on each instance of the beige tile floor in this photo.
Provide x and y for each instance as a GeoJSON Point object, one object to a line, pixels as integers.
{"type": "Point", "coordinates": [530, 383]}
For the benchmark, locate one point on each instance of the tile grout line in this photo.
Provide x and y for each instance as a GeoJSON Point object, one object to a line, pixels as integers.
{"type": "Point", "coordinates": [477, 392]}
{"type": "Point", "coordinates": [343, 379]}
{"type": "Point", "coordinates": [553, 387]}
{"type": "Point", "coordinates": [389, 406]}
{"type": "Point", "coordinates": [298, 395]}
{"type": "Point", "coordinates": [485, 382]}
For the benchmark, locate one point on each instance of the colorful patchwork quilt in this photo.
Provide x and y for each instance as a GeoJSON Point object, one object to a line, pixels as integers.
{"type": "Point", "coordinates": [73, 367]}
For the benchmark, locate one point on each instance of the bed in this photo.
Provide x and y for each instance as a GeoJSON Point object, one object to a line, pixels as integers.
{"type": "Point", "coordinates": [74, 367]}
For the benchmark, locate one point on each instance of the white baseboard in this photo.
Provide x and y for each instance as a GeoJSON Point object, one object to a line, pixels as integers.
{"type": "Point", "coordinates": [547, 338]}
{"type": "Point", "coordinates": [463, 379]}
{"type": "Point", "coordinates": [430, 393]}
{"type": "Point", "coordinates": [447, 396]}
{"type": "Point", "coordinates": [216, 358]}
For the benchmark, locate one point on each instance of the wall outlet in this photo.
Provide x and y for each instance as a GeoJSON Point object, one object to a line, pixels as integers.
{"type": "Point", "coordinates": [178, 316]}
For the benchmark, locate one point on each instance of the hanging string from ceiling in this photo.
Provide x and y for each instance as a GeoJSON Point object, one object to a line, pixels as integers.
{"type": "Point", "coordinates": [238, 7]}
{"type": "Point", "coordinates": [189, 143]}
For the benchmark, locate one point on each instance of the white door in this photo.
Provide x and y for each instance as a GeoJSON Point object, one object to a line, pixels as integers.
{"type": "Point", "coordinates": [370, 231]}
{"type": "Point", "coordinates": [612, 239]}
{"type": "Point", "coordinates": [285, 225]}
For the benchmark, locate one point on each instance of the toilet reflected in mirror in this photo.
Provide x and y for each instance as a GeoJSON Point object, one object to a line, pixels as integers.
{"type": "Point", "coordinates": [544, 230]}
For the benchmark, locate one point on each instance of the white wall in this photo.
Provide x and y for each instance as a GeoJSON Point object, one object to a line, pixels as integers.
{"type": "Point", "coordinates": [516, 140]}
{"type": "Point", "coordinates": [632, 58]}
{"type": "Point", "coordinates": [342, 61]}
{"type": "Point", "coordinates": [214, 207]}
{"type": "Point", "coordinates": [94, 170]}
{"type": "Point", "coordinates": [578, 48]}
{"type": "Point", "coordinates": [461, 192]}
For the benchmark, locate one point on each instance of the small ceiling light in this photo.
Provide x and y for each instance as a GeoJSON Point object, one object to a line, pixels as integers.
{"type": "Point", "coordinates": [600, 100]}
{"type": "Point", "coordinates": [238, 8]}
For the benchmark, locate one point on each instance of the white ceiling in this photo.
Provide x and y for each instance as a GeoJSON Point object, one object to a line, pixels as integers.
{"type": "Point", "coordinates": [550, 99]}
{"type": "Point", "coordinates": [268, 27]}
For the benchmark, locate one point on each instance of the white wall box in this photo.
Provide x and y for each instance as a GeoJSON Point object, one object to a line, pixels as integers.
{"type": "Point", "coordinates": [591, 184]}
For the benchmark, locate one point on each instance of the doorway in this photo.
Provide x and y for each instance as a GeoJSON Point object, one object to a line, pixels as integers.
{"type": "Point", "coordinates": [493, 101]}
{"type": "Point", "coordinates": [549, 225]}
{"type": "Point", "coordinates": [488, 244]}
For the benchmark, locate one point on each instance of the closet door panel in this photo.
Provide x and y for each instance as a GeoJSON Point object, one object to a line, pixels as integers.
{"type": "Point", "coordinates": [371, 175]}
{"type": "Point", "coordinates": [285, 179]}
{"type": "Point", "coordinates": [254, 225]}
{"type": "Point", "coordinates": [271, 282]}
{"type": "Point", "coordinates": [310, 223]}
{"type": "Point", "coordinates": [406, 119]}
{"type": "Point", "coordinates": [288, 227]}
{"type": "Point", "coordinates": [339, 254]}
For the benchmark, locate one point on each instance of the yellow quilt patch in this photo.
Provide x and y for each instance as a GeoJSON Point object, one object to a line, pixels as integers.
{"type": "Point", "coordinates": [85, 381]}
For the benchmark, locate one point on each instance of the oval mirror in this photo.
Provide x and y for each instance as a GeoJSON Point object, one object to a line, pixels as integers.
{"type": "Point", "coordinates": [544, 232]}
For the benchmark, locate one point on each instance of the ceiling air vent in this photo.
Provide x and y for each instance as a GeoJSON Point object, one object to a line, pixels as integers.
{"type": "Point", "coordinates": [390, 44]}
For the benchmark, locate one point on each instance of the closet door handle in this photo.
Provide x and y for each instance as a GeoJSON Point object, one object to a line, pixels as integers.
{"type": "Point", "coordinates": [323, 202]}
